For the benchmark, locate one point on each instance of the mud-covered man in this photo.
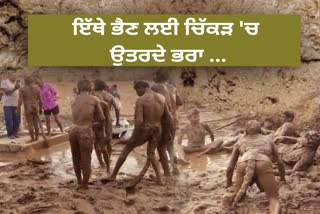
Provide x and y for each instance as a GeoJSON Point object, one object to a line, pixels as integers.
{"type": "Point", "coordinates": [29, 96]}
{"type": "Point", "coordinates": [151, 111]}
{"type": "Point", "coordinates": [287, 128]}
{"type": "Point", "coordinates": [253, 155]}
{"type": "Point", "coordinates": [103, 132]}
{"type": "Point", "coordinates": [86, 109]}
{"type": "Point", "coordinates": [162, 87]}
{"type": "Point", "coordinates": [196, 133]}
{"type": "Point", "coordinates": [99, 89]}
{"type": "Point", "coordinates": [299, 152]}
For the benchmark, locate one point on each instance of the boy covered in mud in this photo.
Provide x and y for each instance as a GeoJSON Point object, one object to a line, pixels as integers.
{"type": "Point", "coordinates": [252, 156]}
{"type": "Point", "coordinates": [151, 112]}
{"type": "Point", "coordinates": [287, 128]}
{"type": "Point", "coordinates": [86, 109]}
{"type": "Point", "coordinates": [29, 96]}
{"type": "Point", "coordinates": [103, 134]}
{"type": "Point", "coordinates": [196, 133]}
{"type": "Point", "coordinates": [299, 152]}
{"type": "Point", "coordinates": [162, 86]}
{"type": "Point", "coordinates": [99, 90]}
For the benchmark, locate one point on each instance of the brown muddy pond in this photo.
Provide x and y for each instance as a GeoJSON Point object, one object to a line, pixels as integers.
{"type": "Point", "coordinates": [59, 159]}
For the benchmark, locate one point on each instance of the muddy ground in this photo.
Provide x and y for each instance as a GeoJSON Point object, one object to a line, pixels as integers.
{"type": "Point", "coordinates": [43, 182]}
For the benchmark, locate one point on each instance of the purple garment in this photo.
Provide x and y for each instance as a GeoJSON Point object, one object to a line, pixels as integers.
{"type": "Point", "coordinates": [48, 96]}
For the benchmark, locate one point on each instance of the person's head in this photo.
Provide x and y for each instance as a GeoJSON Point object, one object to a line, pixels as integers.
{"type": "Point", "coordinates": [141, 87]}
{"type": "Point", "coordinates": [114, 86]}
{"type": "Point", "coordinates": [287, 116]}
{"type": "Point", "coordinates": [84, 86]}
{"type": "Point", "coordinates": [28, 80]}
{"type": "Point", "coordinates": [99, 85]}
{"type": "Point", "coordinates": [194, 116]}
{"type": "Point", "coordinates": [312, 136]}
{"type": "Point", "coordinates": [12, 77]}
{"type": "Point", "coordinates": [38, 80]}
{"type": "Point", "coordinates": [161, 76]}
{"type": "Point", "coordinates": [268, 123]}
{"type": "Point", "coordinates": [253, 127]}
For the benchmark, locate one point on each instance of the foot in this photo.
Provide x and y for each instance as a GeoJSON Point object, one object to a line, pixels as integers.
{"type": "Point", "coordinates": [12, 137]}
{"type": "Point", "coordinates": [31, 140]}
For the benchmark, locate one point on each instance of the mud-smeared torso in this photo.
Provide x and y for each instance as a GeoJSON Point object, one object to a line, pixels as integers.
{"type": "Point", "coordinates": [30, 97]}
{"type": "Point", "coordinates": [196, 134]}
{"type": "Point", "coordinates": [255, 147]}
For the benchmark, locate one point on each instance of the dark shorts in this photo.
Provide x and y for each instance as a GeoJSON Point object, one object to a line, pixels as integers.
{"type": "Point", "coordinates": [53, 111]}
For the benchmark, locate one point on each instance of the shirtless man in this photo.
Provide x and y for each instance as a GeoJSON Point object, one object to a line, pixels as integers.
{"type": "Point", "coordinates": [151, 111]}
{"type": "Point", "coordinates": [300, 152]}
{"type": "Point", "coordinates": [170, 93]}
{"type": "Point", "coordinates": [103, 135]}
{"type": "Point", "coordinates": [86, 109]}
{"type": "Point", "coordinates": [287, 128]}
{"type": "Point", "coordinates": [196, 133]}
{"type": "Point", "coordinates": [254, 153]}
{"type": "Point", "coordinates": [99, 90]}
{"type": "Point", "coordinates": [29, 96]}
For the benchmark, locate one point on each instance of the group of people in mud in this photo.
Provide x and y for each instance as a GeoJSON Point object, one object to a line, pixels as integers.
{"type": "Point", "coordinates": [37, 97]}
{"type": "Point", "coordinates": [155, 123]}
{"type": "Point", "coordinates": [256, 149]}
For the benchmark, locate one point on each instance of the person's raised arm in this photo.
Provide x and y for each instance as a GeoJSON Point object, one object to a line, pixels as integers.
{"type": "Point", "coordinates": [277, 158]}
{"type": "Point", "coordinates": [232, 163]}
{"type": "Point", "coordinates": [8, 91]}
{"type": "Point", "coordinates": [208, 129]}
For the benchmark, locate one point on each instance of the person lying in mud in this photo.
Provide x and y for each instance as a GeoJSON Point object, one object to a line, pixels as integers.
{"type": "Point", "coordinates": [196, 133]}
{"type": "Point", "coordinates": [99, 90]}
{"type": "Point", "coordinates": [162, 87]}
{"type": "Point", "coordinates": [287, 128]}
{"type": "Point", "coordinates": [253, 155]}
{"type": "Point", "coordinates": [151, 112]}
{"type": "Point", "coordinates": [299, 152]}
{"type": "Point", "coordinates": [86, 109]}
{"type": "Point", "coordinates": [29, 96]}
{"type": "Point", "coordinates": [103, 136]}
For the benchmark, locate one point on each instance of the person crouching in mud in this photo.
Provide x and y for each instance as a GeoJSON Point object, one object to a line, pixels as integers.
{"type": "Point", "coordinates": [151, 112]}
{"type": "Point", "coordinates": [254, 153]}
{"type": "Point", "coordinates": [86, 110]}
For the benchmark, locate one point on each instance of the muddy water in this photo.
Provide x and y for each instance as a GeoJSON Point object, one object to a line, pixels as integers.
{"type": "Point", "coordinates": [60, 161]}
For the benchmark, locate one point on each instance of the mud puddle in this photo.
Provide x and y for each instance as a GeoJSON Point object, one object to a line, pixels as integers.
{"type": "Point", "coordinates": [59, 159]}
